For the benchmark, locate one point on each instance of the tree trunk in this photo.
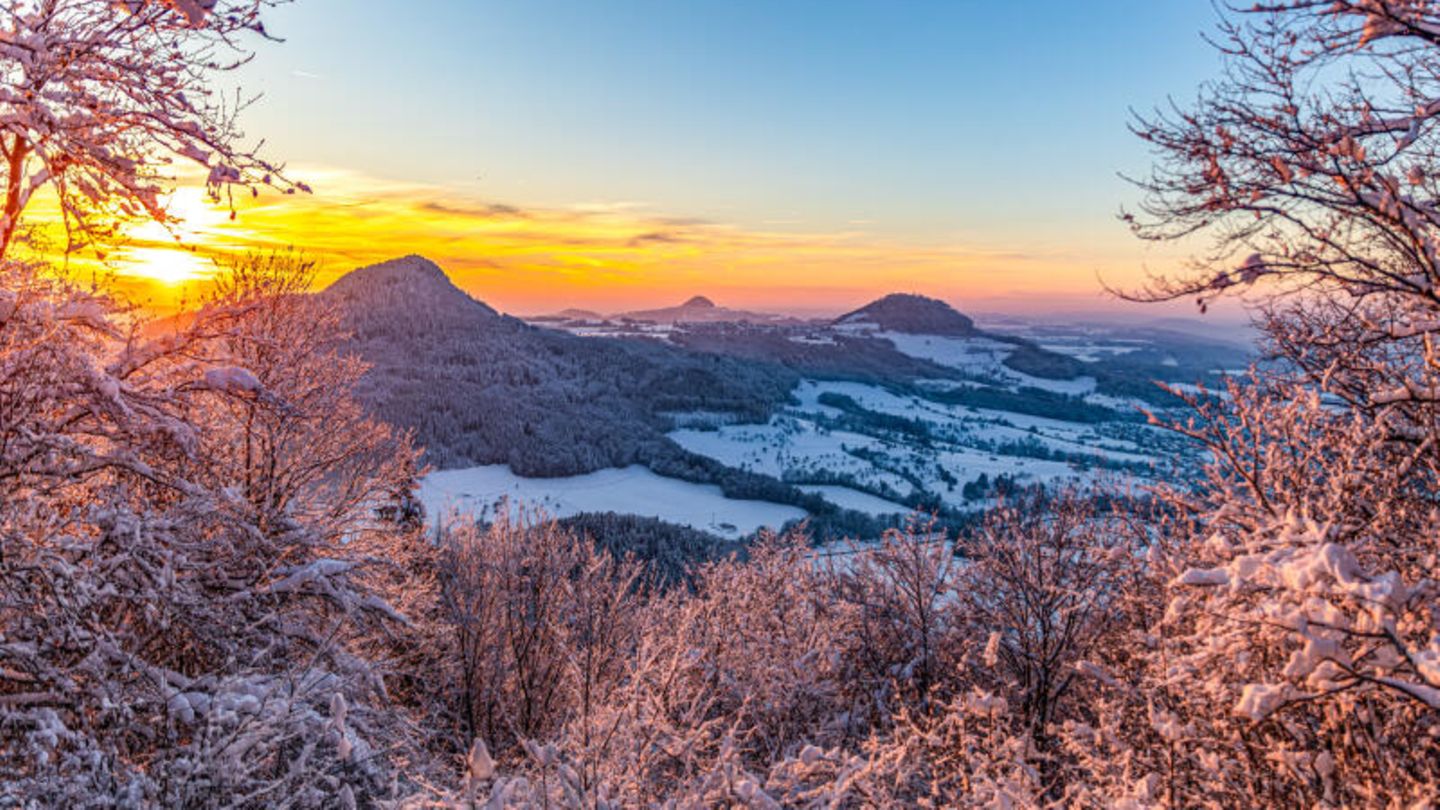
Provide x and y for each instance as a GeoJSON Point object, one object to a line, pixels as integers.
{"type": "Point", "coordinates": [15, 156]}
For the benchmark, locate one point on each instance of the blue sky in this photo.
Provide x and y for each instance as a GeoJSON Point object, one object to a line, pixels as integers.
{"type": "Point", "coordinates": [933, 119]}
{"type": "Point", "coordinates": [984, 136]}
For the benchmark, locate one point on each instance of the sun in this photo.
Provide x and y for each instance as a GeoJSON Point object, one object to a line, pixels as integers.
{"type": "Point", "coordinates": [168, 266]}
{"type": "Point", "coordinates": [175, 255]}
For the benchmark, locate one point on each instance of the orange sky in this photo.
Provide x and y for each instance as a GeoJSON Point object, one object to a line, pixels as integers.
{"type": "Point", "coordinates": [606, 256]}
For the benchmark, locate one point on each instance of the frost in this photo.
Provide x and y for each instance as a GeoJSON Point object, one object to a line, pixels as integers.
{"type": "Point", "coordinates": [480, 764]}
{"type": "Point", "coordinates": [991, 656]}
{"type": "Point", "coordinates": [115, 91]}
{"type": "Point", "coordinates": [1252, 268]}
{"type": "Point", "coordinates": [1199, 576]}
{"type": "Point", "coordinates": [195, 11]}
{"type": "Point", "coordinates": [1258, 701]}
{"type": "Point", "coordinates": [316, 573]}
{"type": "Point", "coordinates": [233, 379]}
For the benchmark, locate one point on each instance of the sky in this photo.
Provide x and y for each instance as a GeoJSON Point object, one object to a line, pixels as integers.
{"type": "Point", "coordinates": [795, 155]}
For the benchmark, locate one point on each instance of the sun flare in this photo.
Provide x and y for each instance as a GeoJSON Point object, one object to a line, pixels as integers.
{"type": "Point", "coordinates": [166, 266]}
{"type": "Point", "coordinates": [174, 254]}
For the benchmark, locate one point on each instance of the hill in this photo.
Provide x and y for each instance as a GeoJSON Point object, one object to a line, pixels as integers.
{"type": "Point", "coordinates": [573, 314]}
{"type": "Point", "coordinates": [698, 309]}
{"type": "Point", "coordinates": [911, 314]}
{"type": "Point", "coordinates": [479, 387]}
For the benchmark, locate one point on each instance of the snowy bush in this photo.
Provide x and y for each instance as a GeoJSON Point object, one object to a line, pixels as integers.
{"type": "Point", "coordinates": [184, 593]}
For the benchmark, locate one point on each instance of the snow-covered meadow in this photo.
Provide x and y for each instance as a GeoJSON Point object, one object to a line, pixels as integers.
{"type": "Point", "coordinates": [630, 490]}
{"type": "Point", "coordinates": [802, 444]}
{"type": "Point", "coordinates": [847, 498]}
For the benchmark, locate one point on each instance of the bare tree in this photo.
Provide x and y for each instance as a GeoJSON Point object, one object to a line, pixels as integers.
{"type": "Point", "coordinates": [164, 641]}
{"type": "Point", "coordinates": [283, 428]}
{"type": "Point", "coordinates": [1300, 615]}
{"type": "Point", "coordinates": [98, 98]}
{"type": "Point", "coordinates": [1311, 168]}
{"type": "Point", "coordinates": [897, 600]}
{"type": "Point", "coordinates": [1041, 590]}
{"type": "Point", "coordinates": [539, 621]}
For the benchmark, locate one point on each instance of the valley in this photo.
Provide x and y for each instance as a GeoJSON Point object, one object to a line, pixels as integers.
{"type": "Point", "coordinates": [728, 426]}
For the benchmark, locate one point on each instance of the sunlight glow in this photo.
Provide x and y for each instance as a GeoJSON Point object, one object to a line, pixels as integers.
{"type": "Point", "coordinates": [529, 260]}
{"type": "Point", "coordinates": [171, 255]}
{"type": "Point", "coordinates": [166, 265]}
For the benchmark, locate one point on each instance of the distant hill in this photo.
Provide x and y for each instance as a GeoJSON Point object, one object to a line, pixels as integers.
{"type": "Point", "coordinates": [478, 387]}
{"type": "Point", "coordinates": [837, 357]}
{"type": "Point", "coordinates": [911, 314]}
{"type": "Point", "coordinates": [1232, 336]}
{"type": "Point", "coordinates": [579, 315]}
{"type": "Point", "coordinates": [698, 310]}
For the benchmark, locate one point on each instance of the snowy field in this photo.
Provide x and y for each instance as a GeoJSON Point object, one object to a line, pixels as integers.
{"type": "Point", "coordinates": [630, 490]}
{"type": "Point", "coordinates": [791, 444]}
{"type": "Point", "coordinates": [1093, 350]}
{"type": "Point", "coordinates": [853, 461]}
{"type": "Point", "coordinates": [979, 356]}
{"type": "Point", "coordinates": [799, 445]}
{"type": "Point", "coordinates": [847, 498]}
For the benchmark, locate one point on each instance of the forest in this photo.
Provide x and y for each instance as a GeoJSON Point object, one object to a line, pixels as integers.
{"type": "Point", "coordinates": [216, 590]}
{"type": "Point", "coordinates": [478, 387]}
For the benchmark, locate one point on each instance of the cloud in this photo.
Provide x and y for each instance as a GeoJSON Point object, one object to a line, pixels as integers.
{"type": "Point", "coordinates": [490, 211]}
{"type": "Point", "coordinates": [613, 255]}
{"type": "Point", "coordinates": [657, 238]}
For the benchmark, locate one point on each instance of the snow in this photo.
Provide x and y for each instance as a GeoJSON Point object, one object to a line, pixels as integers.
{"type": "Point", "coordinates": [797, 445]}
{"type": "Point", "coordinates": [630, 490]}
{"type": "Point", "coordinates": [1203, 576]}
{"type": "Point", "coordinates": [978, 423]}
{"type": "Point", "coordinates": [968, 463]}
{"type": "Point", "coordinates": [317, 571]}
{"type": "Point", "coordinates": [232, 379]}
{"type": "Point", "coordinates": [787, 444]}
{"type": "Point", "coordinates": [1091, 351]}
{"type": "Point", "coordinates": [973, 354]}
{"type": "Point", "coordinates": [980, 356]}
{"type": "Point", "coordinates": [848, 498]}
{"type": "Point", "coordinates": [812, 340]}
{"type": "Point", "coordinates": [1259, 700]}
{"type": "Point", "coordinates": [194, 10]}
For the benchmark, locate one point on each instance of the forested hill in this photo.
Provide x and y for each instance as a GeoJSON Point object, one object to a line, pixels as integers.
{"type": "Point", "coordinates": [478, 387]}
{"type": "Point", "coordinates": [911, 314]}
